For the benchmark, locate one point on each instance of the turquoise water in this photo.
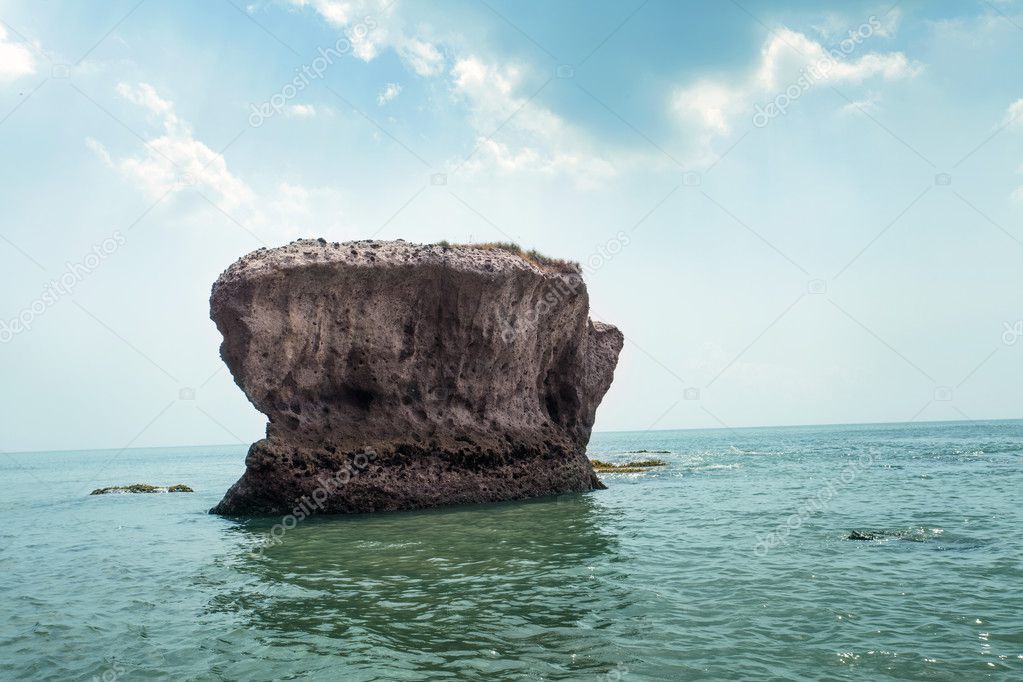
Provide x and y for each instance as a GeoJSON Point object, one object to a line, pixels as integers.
{"type": "Point", "coordinates": [731, 562]}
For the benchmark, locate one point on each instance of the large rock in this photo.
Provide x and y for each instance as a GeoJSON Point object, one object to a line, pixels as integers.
{"type": "Point", "coordinates": [398, 376]}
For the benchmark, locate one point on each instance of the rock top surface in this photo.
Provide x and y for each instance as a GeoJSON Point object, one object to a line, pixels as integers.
{"type": "Point", "coordinates": [398, 376]}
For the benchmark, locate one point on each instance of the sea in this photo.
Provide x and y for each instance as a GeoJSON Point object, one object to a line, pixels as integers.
{"type": "Point", "coordinates": [730, 562]}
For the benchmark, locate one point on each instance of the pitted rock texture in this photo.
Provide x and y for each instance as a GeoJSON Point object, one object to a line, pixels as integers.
{"type": "Point", "coordinates": [399, 376]}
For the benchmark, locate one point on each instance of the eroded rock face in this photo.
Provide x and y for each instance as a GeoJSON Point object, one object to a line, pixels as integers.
{"type": "Point", "coordinates": [398, 376]}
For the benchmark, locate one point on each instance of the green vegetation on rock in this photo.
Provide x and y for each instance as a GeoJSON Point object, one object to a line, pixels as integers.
{"type": "Point", "coordinates": [142, 488]}
{"type": "Point", "coordinates": [533, 256]}
{"type": "Point", "coordinates": [636, 467]}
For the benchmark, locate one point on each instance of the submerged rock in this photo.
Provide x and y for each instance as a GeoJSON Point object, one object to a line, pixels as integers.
{"type": "Point", "coordinates": [635, 467]}
{"type": "Point", "coordinates": [142, 488]}
{"type": "Point", "coordinates": [398, 376]}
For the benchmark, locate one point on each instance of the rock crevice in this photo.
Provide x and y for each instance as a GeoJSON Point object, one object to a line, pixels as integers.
{"type": "Point", "coordinates": [427, 375]}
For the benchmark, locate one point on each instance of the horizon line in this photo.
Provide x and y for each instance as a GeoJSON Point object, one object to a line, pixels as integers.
{"type": "Point", "coordinates": [682, 428]}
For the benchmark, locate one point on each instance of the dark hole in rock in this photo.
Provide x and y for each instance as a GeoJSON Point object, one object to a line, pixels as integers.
{"type": "Point", "coordinates": [356, 397]}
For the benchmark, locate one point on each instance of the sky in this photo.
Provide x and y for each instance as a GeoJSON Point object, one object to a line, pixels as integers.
{"type": "Point", "coordinates": [796, 212]}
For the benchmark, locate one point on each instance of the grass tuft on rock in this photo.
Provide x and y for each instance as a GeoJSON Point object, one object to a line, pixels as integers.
{"type": "Point", "coordinates": [532, 256]}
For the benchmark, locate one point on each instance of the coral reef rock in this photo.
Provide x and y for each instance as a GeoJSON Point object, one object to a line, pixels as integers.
{"type": "Point", "coordinates": [400, 376]}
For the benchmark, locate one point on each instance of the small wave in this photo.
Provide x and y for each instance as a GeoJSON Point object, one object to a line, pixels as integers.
{"type": "Point", "coordinates": [629, 453]}
{"type": "Point", "coordinates": [716, 467]}
{"type": "Point", "coordinates": [998, 449]}
{"type": "Point", "coordinates": [740, 451]}
{"type": "Point", "coordinates": [379, 544]}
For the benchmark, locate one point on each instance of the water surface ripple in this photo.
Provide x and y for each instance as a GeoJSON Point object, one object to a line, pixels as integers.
{"type": "Point", "coordinates": [730, 563]}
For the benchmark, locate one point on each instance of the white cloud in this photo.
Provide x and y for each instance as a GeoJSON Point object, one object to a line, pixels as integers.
{"type": "Point", "coordinates": [531, 138]}
{"type": "Point", "coordinates": [97, 147]}
{"type": "Point", "coordinates": [866, 105]}
{"type": "Point", "coordinates": [1014, 115]}
{"type": "Point", "coordinates": [15, 60]}
{"type": "Point", "coordinates": [176, 159]}
{"type": "Point", "coordinates": [488, 87]}
{"type": "Point", "coordinates": [830, 26]}
{"type": "Point", "coordinates": [424, 58]}
{"type": "Point", "coordinates": [389, 92]}
{"type": "Point", "coordinates": [534, 140]}
{"type": "Point", "coordinates": [145, 95]}
{"type": "Point", "coordinates": [835, 27]}
{"type": "Point", "coordinates": [300, 110]}
{"type": "Point", "coordinates": [336, 12]}
{"type": "Point", "coordinates": [889, 23]}
{"type": "Point", "coordinates": [787, 59]}
{"type": "Point", "coordinates": [710, 104]}
{"type": "Point", "coordinates": [373, 26]}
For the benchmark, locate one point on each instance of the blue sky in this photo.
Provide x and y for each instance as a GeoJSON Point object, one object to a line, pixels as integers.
{"type": "Point", "coordinates": [850, 253]}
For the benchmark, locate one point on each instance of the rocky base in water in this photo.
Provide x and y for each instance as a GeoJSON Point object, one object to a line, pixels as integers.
{"type": "Point", "coordinates": [142, 488]}
{"type": "Point", "coordinates": [398, 376]}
